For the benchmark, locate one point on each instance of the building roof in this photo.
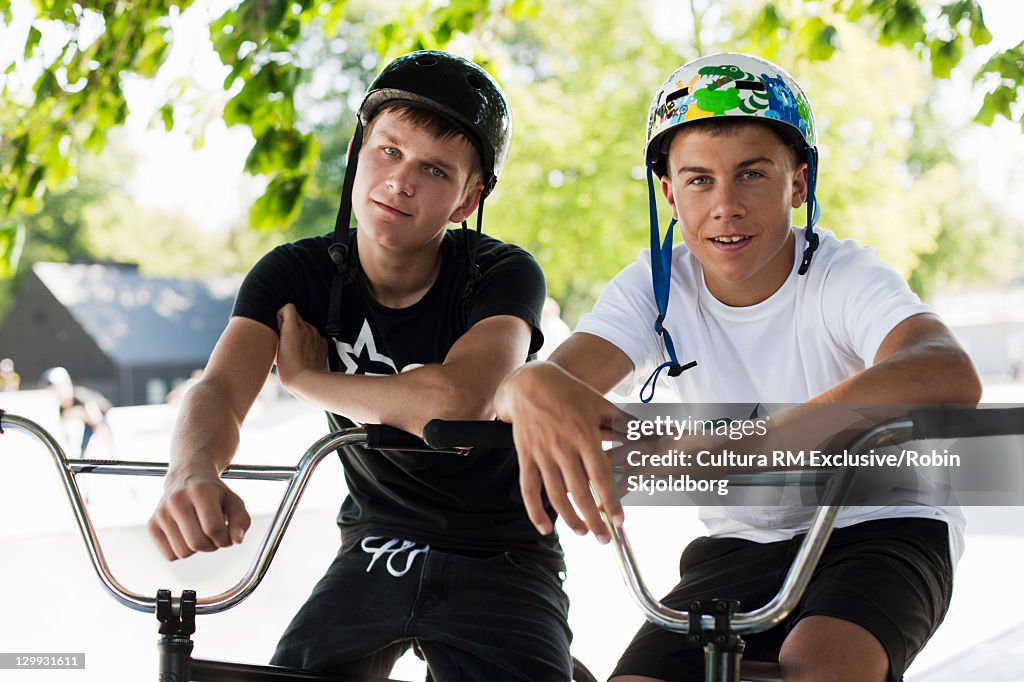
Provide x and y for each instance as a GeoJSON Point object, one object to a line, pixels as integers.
{"type": "Point", "coordinates": [138, 320]}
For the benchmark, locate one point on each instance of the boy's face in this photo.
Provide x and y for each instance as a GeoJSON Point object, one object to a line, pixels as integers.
{"type": "Point", "coordinates": [410, 184]}
{"type": "Point", "coordinates": [732, 194]}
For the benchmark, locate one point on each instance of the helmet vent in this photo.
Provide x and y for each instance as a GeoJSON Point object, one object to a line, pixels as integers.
{"type": "Point", "coordinates": [426, 60]}
{"type": "Point", "coordinates": [475, 81]}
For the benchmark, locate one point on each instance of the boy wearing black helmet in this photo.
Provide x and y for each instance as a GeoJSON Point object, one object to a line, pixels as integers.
{"type": "Point", "coordinates": [398, 321]}
{"type": "Point", "coordinates": [747, 312]}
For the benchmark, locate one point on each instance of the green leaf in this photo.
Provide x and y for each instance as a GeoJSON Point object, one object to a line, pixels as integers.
{"type": "Point", "coordinates": [996, 103]}
{"type": "Point", "coordinates": [520, 10]}
{"type": "Point", "coordinates": [770, 20]}
{"type": "Point", "coordinates": [151, 55]}
{"type": "Point", "coordinates": [274, 14]}
{"type": "Point", "coordinates": [34, 36]}
{"type": "Point", "coordinates": [945, 55]}
{"type": "Point", "coordinates": [335, 13]}
{"type": "Point", "coordinates": [902, 22]}
{"type": "Point", "coordinates": [167, 116]}
{"type": "Point", "coordinates": [280, 203]}
{"type": "Point", "coordinates": [817, 39]}
{"type": "Point", "coordinates": [12, 240]}
{"type": "Point", "coordinates": [46, 86]}
{"type": "Point", "coordinates": [980, 35]}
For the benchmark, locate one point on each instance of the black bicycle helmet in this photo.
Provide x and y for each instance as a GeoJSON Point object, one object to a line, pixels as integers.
{"type": "Point", "coordinates": [457, 89]}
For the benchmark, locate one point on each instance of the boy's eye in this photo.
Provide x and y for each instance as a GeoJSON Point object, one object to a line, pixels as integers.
{"type": "Point", "coordinates": [751, 174]}
{"type": "Point", "coordinates": [699, 180]}
{"type": "Point", "coordinates": [436, 172]}
{"type": "Point", "coordinates": [390, 151]}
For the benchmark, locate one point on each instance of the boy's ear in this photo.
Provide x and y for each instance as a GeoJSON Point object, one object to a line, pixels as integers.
{"type": "Point", "coordinates": [666, 189]}
{"type": "Point", "coordinates": [468, 205]}
{"type": "Point", "coordinates": [799, 186]}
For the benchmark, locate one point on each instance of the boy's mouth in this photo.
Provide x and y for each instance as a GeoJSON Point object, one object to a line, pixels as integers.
{"type": "Point", "coordinates": [391, 209]}
{"type": "Point", "coordinates": [730, 239]}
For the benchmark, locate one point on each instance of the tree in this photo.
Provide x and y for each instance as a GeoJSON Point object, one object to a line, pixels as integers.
{"type": "Point", "coordinates": [64, 96]}
{"type": "Point", "coordinates": [77, 95]}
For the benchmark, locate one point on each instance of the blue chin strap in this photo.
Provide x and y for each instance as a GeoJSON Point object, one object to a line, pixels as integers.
{"type": "Point", "coordinates": [661, 274]}
{"type": "Point", "coordinates": [661, 268]}
{"type": "Point", "coordinates": [813, 210]}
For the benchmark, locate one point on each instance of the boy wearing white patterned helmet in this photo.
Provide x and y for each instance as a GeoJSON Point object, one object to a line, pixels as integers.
{"type": "Point", "coordinates": [760, 313]}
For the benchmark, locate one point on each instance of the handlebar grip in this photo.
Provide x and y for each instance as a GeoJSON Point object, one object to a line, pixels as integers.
{"type": "Point", "coordinates": [963, 422]}
{"type": "Point", "coordinates": [468, 434]}
{"type": "Point", "coordinates": [381, 437]}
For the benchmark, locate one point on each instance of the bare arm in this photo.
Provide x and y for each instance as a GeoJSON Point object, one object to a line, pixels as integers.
{"type": "Point", "coordinates": [558, 413]}
{"type": "Point", "coordinates": [198, 512]}
{"type": "Point", "coordinates": [919, 361]}
{"type": "Point", "coordinates": [559, 416]}
{"type": "Point", "coordinates": [461, 387]}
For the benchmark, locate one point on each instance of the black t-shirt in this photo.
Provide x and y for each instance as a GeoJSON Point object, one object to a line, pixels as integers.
{"type": "Point", "coordinates": [464, 504]}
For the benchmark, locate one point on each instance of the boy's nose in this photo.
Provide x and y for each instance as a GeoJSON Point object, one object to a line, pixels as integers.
{"type": "Point", "coordinates": [400, 181]}
{"type": "Point", "coordinates": [727, 202]}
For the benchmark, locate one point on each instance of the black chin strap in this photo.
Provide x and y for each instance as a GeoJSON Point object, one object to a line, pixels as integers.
{"type": "Point", "coordinates": [344, 258]}
{"type": "Point", "coordinates": [473, 273]}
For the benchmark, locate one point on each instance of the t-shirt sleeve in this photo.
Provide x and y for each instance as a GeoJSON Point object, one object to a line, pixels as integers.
{"type": "Point", "coordinates": [864, 300]}
{"type": "Point", "coordinates": [269, 285]}
{"type": "Point", "coordinates": [511, 283]}
{"type": "Point", "coordinates": [624, 314]}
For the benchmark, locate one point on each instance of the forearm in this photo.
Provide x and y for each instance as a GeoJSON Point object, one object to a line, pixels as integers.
{"type": "Point", "coordinates": [407, 400]}
{"type": "Point", "coordinates": [932, 372]}
{"type": "Point", "coordinates": [206, 433]}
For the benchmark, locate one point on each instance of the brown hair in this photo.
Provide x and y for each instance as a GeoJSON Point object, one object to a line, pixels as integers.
{"type": "Point", "coordinates": [720, 126]}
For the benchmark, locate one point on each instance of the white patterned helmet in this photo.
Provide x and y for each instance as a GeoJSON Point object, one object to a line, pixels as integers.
{"type": "Point", "coordinates": [727, 85]}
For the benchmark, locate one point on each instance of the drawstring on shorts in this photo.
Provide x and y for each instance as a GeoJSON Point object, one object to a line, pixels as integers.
{"type": "Point", "coordinates": [393, 547]}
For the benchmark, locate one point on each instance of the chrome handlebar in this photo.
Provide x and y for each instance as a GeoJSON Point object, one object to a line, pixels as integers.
{"type": "Point", "coordinates": [297, 477]}
{"type": "Point", "coordinates": [800, 571]}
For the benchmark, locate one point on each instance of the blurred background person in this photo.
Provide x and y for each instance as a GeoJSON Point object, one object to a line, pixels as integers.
{"type": "Point", "coordinates": [79, 404]}
{"type": "Point", "coordinates": [9, 379]}
{"type": "Point", "coordinates": [553, 326]}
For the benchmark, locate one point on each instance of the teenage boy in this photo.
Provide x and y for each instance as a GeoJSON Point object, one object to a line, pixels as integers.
{"type": "Point", "coordinates": [398, 321]}
{"type": "Point", "coordinates": [732, 139]}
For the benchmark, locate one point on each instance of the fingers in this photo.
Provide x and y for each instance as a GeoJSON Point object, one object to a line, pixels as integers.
{"type": "Point", "coordinates": [530, 483]}
{"type": "Point", "coordinates": [566, 474]}
{"type": "Point", "coordinates": [286, 316]}
{"type": "Point", "coordinates": [237, 517]}
{"type": "Point", "coordinates": [201, 517]}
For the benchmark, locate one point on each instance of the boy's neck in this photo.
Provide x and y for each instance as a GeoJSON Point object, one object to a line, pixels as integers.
{"type": "Point", "coordinates": [399, 280]}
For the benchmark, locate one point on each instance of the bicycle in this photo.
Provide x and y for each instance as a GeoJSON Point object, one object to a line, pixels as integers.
{"type": "Point", "coordinates": [177, 614]}
{"type": "Point", "coordinates": [716, 624]}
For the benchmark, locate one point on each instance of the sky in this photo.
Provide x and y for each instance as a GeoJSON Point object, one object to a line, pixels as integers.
{"type": "Point", "coordinates": [209, 187]}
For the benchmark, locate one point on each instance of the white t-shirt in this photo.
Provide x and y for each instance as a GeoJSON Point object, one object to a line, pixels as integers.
{"type": "Point", "coordinates": [815, 331]}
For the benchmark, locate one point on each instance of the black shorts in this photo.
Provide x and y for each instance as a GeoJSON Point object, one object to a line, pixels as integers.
{"type": "Point", "coordinates": [892, 577]}
{"type": "Point", "coordinates": [500, 618]}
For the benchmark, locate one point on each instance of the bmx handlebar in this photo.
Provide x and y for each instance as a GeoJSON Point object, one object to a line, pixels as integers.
{"type": "Point", "coordinates": [932, 422]}
{"type": "Point", "coordinates": [940, 422]}
{"type": "Point", "coordinates": [381, 437]}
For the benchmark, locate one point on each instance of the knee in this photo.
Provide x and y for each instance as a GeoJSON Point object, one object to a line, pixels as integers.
{"type": "Point", "coordinates": [830, 664]}
{"type": "Point", "coordinates": [823, 649]}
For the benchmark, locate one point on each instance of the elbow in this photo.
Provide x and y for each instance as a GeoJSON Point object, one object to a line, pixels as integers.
{"type": "Point", "coordinates": [964, 383]}
{"type": "Point", "coordinates": [461, 403]}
